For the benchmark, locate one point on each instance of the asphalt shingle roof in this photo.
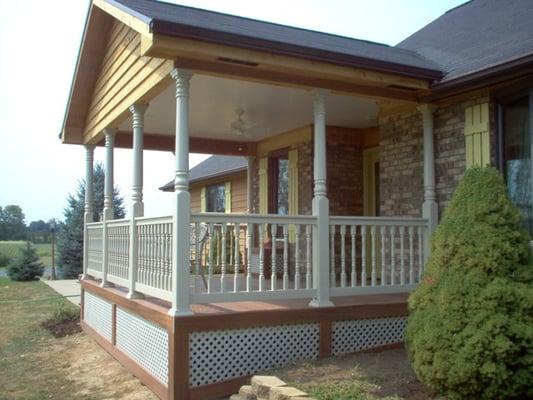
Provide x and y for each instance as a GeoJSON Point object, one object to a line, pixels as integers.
{"type": "Point", "coordinates": [212, 167]}
{"type": "Point", "coordinates": [475, 36]}
{"type": "Point", "coordinates": [169, 15]}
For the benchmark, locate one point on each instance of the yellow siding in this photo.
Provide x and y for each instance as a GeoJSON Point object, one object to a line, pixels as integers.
{"type": "Point", "coordinates": [263, 185]}
{"type": "Point", "coordinates": [227, 192]}
{"type": "Point", "coordinates": [124, 78]}
{"type": "Point", "coordinates": [477, 135]}
{"type": "Point", "coordinates": [238, 192]}
{"type": "Point", "coordinates": [203, 203]}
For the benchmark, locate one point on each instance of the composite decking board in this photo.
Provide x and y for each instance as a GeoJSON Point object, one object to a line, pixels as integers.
{"type": "Point", "coordinates": [213, 309]}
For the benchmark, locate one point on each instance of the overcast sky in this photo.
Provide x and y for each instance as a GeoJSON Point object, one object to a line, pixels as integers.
{"type": "Point", "coordinates": [39, 43]}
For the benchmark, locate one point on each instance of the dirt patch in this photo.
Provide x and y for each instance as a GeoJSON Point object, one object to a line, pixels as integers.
{"type": "Point", "coordinates": [62, 328]}
{"type": "Point", "coordinates": [94, 374]}
{"type": "Point", "coordinates": [385, 374]}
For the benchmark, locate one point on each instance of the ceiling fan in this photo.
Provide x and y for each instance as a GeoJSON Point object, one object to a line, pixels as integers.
{"type": "Point", "coordinates": [239, 126]}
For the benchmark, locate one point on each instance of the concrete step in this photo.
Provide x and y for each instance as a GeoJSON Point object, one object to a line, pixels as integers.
{"type": "Point", "coordinates": [246, 392]}
{"type": "Point", "coordinates": [261, 385]}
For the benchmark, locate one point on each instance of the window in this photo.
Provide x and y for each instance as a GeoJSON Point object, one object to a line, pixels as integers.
{"type": "Point", "coordinates": [279, 176]}
{"type": "Point", "coordinates": [516, 153]}
{"type": "Point", "coordinates": [216, 198]}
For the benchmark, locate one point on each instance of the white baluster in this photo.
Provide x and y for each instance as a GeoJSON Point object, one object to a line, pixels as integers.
{"type": "Point", "coordinates": [297, 229]}
{"type": "Point", "coordinates": [223, 258]}
{"type": "Point", "coordinates": [285, 257]}
{"type": "Point", "coordinates": [308, 276]}
{"type": "Point", "coordinates": [392, 256]}
{"type": "Point", "coordinates": [273, 275]}
{"type": "Point", "coordinates": [249, 232]}
{"type": "Point", "coordinates": [411, 257]}
{"type": "Point", "coordinates": [236, 258]}
{"type": "Point", "coordinates": [373, 237]}
{"type": "Point", "coordinates": [402, 256]}
{"type": "Point", "coordinates": [333, 282]}
{"type": "Point", "coordinates": [363, 255]}
{"type": "Point", "coordinates": [210, 231]}
{"type": "Point", "coordinates": [261, 231]}
{"type": "Point", "coordinates": [383, 231]}
{"type": "Point", "coordinates": [420, 252]}
{"type": "Point", "coordinates": [343, 256]}
{"type": "Point", "coordinates": [353, 275]}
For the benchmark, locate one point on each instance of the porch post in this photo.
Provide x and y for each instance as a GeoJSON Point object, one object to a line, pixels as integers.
{"type": "Point", "coordinates": [320, 205]}
{"type": "Point", "coordinates": [108, 211]}
{"type": "Point", "coordinates": [88, 216]}
{"type": "Point", "coordinates": [137, 205]}
{"type": "Point", "coordinates": [182, 205]}
{"type": "Point", "coordinates": [430, 209]}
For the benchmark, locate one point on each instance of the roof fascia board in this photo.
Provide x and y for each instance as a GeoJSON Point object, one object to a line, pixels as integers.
{"type": "Point", "coordinates": [127, 16]}
{"type": "Point", "coordinates": [242, 41]}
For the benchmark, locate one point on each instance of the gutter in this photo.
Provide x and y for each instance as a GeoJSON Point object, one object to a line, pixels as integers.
{"type": "Point", "coordinates": [247, 42]}
{"type": "Point", "coordinates": [492, 74]}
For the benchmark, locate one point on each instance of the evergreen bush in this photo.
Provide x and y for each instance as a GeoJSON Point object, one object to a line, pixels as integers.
{"type": "Point", "coordinates": [26, 266]}
{"type": "Point", "coordinates": [470, 329]}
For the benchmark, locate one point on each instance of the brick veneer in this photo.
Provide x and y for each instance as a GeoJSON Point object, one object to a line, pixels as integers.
{"type": "Point", "coordinates": [401, 154]}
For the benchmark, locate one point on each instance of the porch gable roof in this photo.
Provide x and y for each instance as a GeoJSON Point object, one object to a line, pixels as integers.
{"type": "Point", "coordinates": [195, 23]}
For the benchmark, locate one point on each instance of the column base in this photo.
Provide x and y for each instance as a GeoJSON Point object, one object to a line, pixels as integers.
{"type": "Point", "coordinates": [134, 295]}
{"type": "Point", "coordinates": [174, 312]}
{"type": "Point", "coordinates": [318, 303]}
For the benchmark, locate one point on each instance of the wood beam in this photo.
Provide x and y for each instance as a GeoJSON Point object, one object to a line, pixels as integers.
{"type": "Point", "coordinates": [253, 74]}
{"type": "Point", "coordinates": [196, 145]}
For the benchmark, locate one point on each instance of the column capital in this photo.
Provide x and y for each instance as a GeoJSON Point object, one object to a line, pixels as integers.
{"type": "Point", "coordinates": [110, 131]}
{"type": "Point", "coordinates": [426, 109]}
{"type": "Point", "coordinates": [138, 108]}
{"type": "Point", "coordinates": [89, 147]}
{"type": "Point", "coordinates": [319, 100]}
{"type": "Point", "coordinates": [182, 77]}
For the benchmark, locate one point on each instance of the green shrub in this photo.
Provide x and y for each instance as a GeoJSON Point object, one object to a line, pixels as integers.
{"type": "Point", "coordinates": [470, 329]}
{"type": "Point", "coordinates": [26, 266]}
{"type": "Point", "coordinates": [4, 260]}
{"type": "Point", "coordinates": [64, 313]}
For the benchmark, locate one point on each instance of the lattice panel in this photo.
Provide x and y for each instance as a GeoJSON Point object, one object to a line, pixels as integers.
{"type": "Point", "coordinates": [143, 341]}
{"type": "Point", "coordinates": [216, 356]}
{"type": "Point", "coordinates": [355, 335]}
{"type": "Point", "coordinates": [98, 314]}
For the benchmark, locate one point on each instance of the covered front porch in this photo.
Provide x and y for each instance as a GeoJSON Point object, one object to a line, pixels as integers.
{"type": "Point", "coordinates": [334, 238]}
{"type": "Point", "coordinates": [296, 240]}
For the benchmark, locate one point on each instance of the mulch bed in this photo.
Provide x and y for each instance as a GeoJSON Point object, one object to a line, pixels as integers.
{"type": "Point", "coordinates": [62, 328]}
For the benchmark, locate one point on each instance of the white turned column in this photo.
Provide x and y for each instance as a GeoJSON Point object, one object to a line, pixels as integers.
{"type": "Point", "coordinates": [430, 209]}
{"type": "Point", "coordinates": [320, 205]}
{"type": "Point", "coordinates": [182, 205]}
{"type": "Point", "coordinates": [88, 216]}
{"type": "Point", "coordinates": [137, 205]}
{"type": "Point", "coordinates": [108, 212]}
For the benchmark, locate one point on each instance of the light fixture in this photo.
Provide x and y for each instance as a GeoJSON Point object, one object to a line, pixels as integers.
{"type": "Point", "coordinates": [239, 126]}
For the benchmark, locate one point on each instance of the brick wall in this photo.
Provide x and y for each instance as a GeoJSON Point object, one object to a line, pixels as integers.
{"type": "Point", "coordinates": [401, 154]}
{"type": "Point", "coordinates": [345, 179]}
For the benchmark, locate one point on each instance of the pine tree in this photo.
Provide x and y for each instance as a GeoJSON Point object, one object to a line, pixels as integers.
{"type": "Point", "coordinates": [70, 237]}
{"type": "Point", "coordinates": [26, 266]}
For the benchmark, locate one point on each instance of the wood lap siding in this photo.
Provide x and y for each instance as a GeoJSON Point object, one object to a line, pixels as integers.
{"type": "Point", "coordinates": [238, 192]}
{"type": "Point", "coordinates": [124, 78]}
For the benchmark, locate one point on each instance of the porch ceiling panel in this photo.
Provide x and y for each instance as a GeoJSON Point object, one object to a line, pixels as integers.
{"type": "Point", "coordinates": [268, 110]}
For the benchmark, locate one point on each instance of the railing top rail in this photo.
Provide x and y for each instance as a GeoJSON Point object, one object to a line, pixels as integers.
{"type": "Point", "coordinates": [378, 221]}
{"type": "Point", "coordinates": [94, 224]}
{"type": "Point", "coordinates": [253, 218]}
{"type": "Point", "coordinates": [118, 222]}
{"type": "Point", "coordinates": [153, 220]}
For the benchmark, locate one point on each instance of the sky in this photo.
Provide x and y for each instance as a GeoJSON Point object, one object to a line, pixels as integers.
{"type": "Point", "coordinates": [39, 42]}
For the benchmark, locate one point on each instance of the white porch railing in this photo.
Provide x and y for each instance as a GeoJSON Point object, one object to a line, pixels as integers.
{"type": "Point", "coordinates": [376, 255]}
{"type": "Point", "coordinates": [238, 257]}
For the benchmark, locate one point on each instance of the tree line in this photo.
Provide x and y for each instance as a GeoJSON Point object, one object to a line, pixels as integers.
{"type": "Point", "coordinates": [13, 226]}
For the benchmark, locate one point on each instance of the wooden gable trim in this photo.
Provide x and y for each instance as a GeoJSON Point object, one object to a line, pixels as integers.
{"type": "Point", "coordinates": [140, 23]}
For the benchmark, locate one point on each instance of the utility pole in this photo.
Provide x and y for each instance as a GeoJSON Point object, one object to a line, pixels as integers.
{"type": "Point", "coordinates": [53, 231]}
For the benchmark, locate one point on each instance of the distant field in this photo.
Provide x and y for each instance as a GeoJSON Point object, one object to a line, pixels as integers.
{"type": "Point", "coordinates": [10, 249]}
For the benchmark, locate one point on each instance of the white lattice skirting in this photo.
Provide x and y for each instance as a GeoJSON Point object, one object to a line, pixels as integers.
{"type": "Point", "coordinates": [98, 314]}
{"type": "Point", "coordinates": [217, 356]}
{"type": "Point", "coordinates": [355, 335]}
{"type": "Point", "coordinates": [143, 341]}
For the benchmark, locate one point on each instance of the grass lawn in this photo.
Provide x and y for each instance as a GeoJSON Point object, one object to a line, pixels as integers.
{"type": "Point", "coordinates": [35, 365]}
{"type": "Point", "coordinates": [11, 250]}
